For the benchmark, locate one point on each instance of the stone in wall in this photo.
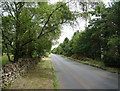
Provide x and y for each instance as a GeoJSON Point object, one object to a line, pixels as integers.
{"type": "Point", "coordinates": [11, 71]}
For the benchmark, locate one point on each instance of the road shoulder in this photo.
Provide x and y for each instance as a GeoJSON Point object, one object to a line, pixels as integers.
{"type": "Point", "coordinates": [39, 77]}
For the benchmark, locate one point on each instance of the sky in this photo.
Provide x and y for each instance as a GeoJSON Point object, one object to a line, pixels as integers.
{"type": "Point", "coordinates": [68, 31]}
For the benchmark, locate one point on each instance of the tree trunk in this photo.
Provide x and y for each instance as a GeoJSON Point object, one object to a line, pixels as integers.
{"type": "Point", "coordinates": [16, 58]}
{"type": "Point", "coordinates": [16, 55]}
{"type": "Point", "coordinates": [8, 53]}
{"type": "Point", "coordinates": [17, 46]}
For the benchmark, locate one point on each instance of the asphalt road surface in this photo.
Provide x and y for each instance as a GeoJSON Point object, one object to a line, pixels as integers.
{"type": "Point", "coordinates": [74, 75]}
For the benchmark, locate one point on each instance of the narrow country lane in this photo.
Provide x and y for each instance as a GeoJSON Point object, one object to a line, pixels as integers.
{"type": "Point", "coordinates": [73, 75]}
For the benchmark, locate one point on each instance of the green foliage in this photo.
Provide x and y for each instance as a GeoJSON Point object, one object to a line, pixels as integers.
{"type": "Point", "coordinates": [62, 48]}
{"type": "Point", "coordinates": [100, 40]}
{"type": "Point", "coordinates": [30, 28]}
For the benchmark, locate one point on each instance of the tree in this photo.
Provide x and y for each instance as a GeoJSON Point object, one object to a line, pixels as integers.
{"type": "Point", "coordinates": [28, 24]}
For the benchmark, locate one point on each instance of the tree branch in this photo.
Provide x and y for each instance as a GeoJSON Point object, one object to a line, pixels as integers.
{"type": "Point", "coordinates": [10, 42]}
{"type": "Point", "coordinates": [28, 42]}
{"type": "Point", "coordinates": [10, 11]}
{"type": "Point", "coordinates": [48, 20]}
{"type": "Point", "coordinates": [7, 51]}
{"type": "Point", "coordinates": [43, 26]}
{"type": "Point", "coordinates": [51, 27]}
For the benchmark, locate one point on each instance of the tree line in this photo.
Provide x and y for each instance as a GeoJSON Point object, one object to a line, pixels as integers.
{"type": "Point", "coordinates": [28, 28]}
{"type": "Point", "coordinates": [101, 38]}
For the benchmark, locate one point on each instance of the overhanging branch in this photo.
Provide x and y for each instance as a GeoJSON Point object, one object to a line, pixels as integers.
{"type": "Point", "coordinates": [43, 26]}
{"type": "Point", "coordinates": [49, 19]}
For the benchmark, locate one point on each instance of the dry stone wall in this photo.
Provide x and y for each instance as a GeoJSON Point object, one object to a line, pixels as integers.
{"type": "Point", "coordinates": [11, 71]}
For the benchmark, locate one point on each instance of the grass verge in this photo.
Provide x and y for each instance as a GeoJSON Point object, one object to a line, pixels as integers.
{"type": "Point", "coordinates": [54, 79]}
{"type": "Point", "coordinates": [97, 64]}
{"type": "Point", "coordinates": [42, 76]}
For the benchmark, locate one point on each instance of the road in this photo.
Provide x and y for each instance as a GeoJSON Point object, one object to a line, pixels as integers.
{"type": "Point", "coordinates": [74, 75]}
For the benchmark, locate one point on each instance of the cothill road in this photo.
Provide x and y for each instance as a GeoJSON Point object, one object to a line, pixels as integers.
{"type": "Point", "coordinates": [74, 75]}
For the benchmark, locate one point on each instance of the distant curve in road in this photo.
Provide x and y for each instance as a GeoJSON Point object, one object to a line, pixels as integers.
{"type": "Point", "coordinates": [74, 75]}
